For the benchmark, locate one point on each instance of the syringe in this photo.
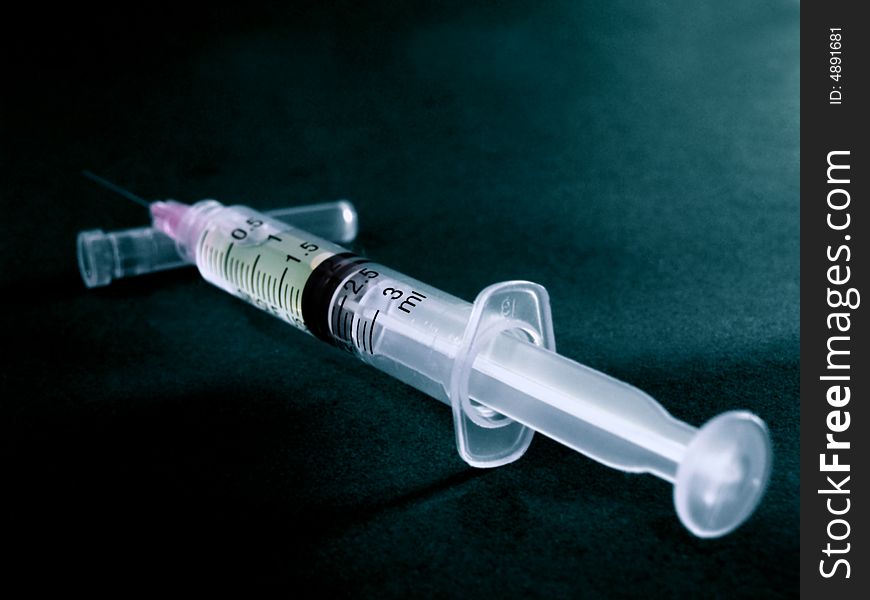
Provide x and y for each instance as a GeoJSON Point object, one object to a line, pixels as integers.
{"type": "Point", "coordinates": [493, 361]}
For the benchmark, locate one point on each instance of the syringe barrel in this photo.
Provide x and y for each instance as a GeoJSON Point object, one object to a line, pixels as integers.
{"type": "Point", "coordinates": [400, 325]}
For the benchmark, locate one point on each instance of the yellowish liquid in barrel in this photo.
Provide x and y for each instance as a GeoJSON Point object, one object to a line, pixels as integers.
{"type": "Point", "coordinates": [263, 262]}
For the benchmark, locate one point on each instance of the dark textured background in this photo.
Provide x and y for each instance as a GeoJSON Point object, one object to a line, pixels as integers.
{"type": "Point", "coordinates": [638, 159]}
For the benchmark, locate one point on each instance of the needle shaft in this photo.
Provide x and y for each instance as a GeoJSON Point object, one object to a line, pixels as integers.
{"type": "Point", "coordinates": [116, 188]}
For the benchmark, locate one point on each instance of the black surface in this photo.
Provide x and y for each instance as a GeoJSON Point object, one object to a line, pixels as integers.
{"type": "Point", "coordinates": [639, 160]}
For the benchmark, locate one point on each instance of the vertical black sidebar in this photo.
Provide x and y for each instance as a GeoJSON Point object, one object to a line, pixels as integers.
{"type": "Point", "coordinates": [835, 365]}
